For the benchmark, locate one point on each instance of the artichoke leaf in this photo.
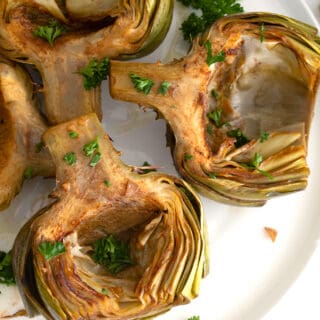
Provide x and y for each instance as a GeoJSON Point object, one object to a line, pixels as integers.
{"type": "Point", "coordinates": [127, 30]}
{"type": "Point", "coordinates": [238, 108]}
{"type": "Point", "coordinates": [22, 155]}
{"type": "Point", "coordinates": [158, 216]}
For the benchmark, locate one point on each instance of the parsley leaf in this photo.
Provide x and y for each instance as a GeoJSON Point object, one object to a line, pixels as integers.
{"type": "Point", "coordinates": [141, 84]}
{"type": "Point", "coordinates": [211, 10]}
{"type": "Point", "coordinates": [95, 72]}
{"type": "Point", "coordinates": [50, 250]}
{"type": "Point", "coordinates": [73, 134]}
{"type": "Point", "coordinates": [6, 270]}
{"type": "Point", "coordinates": [212, 175]}
{"type": "Point", "coordinates": [219, 57]}
{"type": "Point", "coordinates": [105, 291]}
{"type": "Point", "coordinates": [214, 94]}
{"type": "Point", "coordinates": [215, 116]}
{"type": "Point", "coordinates": [28, 173]}
{"type": "Point", "coordinates": [209, 129]}
{"type": "Point", "coordinates": [194, 318]}
{"type": "Point", "coordinates": [264, 136]}
{"type": "Point", "coordinates": [70, 158]}
{"type": "Point", "coordinates": [50, 32]}
{"type": "Point", "coordinates": [147, 170]}
{"type": "Point", "coordinates": [255, 163]}
{"type": "Point", "coordinates": [241, 139]}
{"type": "Point", "coordinates": [112, 254]}
{"type": "Point", "coordinates": [95, 159]}
{"type": "Point", "coordinates": [163, 89]}
{"type": "Point", "coordinates": [107, 183]}
{"type": "Point", "coordinates": [188, 156]}
{"type": "Point", "coordinates": [90, 147]}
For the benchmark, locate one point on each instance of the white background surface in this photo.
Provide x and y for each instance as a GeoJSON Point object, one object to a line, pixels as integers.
{"type": "Point", "coordinates": [302, 300]}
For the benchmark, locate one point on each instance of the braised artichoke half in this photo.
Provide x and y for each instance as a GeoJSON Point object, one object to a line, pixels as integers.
{"type": "Point", "coordinates": [152, 223]}
{"type": "Point", "coordinates": [22, 154]}
{"type": "Point", "coordinates": [62, 37]}
{"type": "Point", "coordinates": [239, 105]}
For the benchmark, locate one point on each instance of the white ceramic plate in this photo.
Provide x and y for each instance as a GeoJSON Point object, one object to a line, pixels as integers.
{"type": "Point", "coordinates": [249, 273]}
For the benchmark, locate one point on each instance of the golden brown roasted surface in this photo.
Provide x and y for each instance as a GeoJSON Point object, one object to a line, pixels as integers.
{"type": "Point", "coordinates": [21, 127]}
{"type": "Point", "coordinates": [93, 29]}
{"type": "Point", "coordinates": [239, 105]}
{"type": "Point", "coordinates": [157, 215]}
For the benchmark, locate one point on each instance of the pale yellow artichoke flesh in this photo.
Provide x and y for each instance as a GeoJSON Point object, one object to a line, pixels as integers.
{"type": "Point", "coordinates": [21, 128]}
{"type": "Point", "coordinates": [159, 216]}
{"type": "Point", "coordinates": [266, 84]}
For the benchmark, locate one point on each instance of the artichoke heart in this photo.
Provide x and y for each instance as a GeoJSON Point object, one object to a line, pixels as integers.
{"type": "Point", "coordinates": [238, 106]}
{"type": "Point", "coordinates": [22, 155]}
{"type": "Point", "coordinates": [116, 244]}
{"type": "Point", "coordinates": [61, 38]}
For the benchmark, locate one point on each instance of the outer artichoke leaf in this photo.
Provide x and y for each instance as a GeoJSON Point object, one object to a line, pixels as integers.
{"type": "Point", "coordinates": [127, 30]}
{"type": "Point", "coordinates": [158, 216]}
{"type": "Point", "coordinates": [240, 123]}
{"type": "Point", "coordinates": [21, 127]}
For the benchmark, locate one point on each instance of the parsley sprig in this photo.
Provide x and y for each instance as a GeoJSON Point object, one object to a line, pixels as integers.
{"type": "Point", "coordinates": [241, 138]}
{"type": "Point", "coordinates": [6, 270]}
{"type": "Point", "coordinates": [112, 254]}
{"type": "Point", "coordinates": [50, 32]}
{"type": "Point", "coordinates": [219, 57]}
{"type": "Point", "coordinates": [255, 163]}
{"type": "Point", "coordinates": [51, 249]}
{"type": "Point", "coordinates": [95, 72]}
{"type": "Point", "coordinates": [211, 10]}
{"type": "Point", "coordinates": [91, 149]}
{"type": "Point", "coordinates": [141, 84]}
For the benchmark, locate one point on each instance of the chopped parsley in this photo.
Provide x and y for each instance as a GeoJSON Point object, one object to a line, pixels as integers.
{"type": "Point", "coordinates": [50, 32]}
{"type": "Point", "coordinates": [262, 37]}
{"type": "Point", "coordinates": [112, 253]}
{"type": "Point", "coordinates": [255, 163]}
{"type": "Point", "coordinates": [211, 10]}
{"type": "Point", "coordinates": [50, 250]}
{"type": "Point", "coordinates": [70, 158]}
{"type": "Point", "coordinates": [73, 134]}
{"type": "Point", "coordinates": [39, 147]}
{"type": "Point", "coordinates": [264, 136]}
{"type": "Point", "coordinates": [241, 139]}
{"type": "Point", "coordinates": [91, 147]}
{"type": "Point", "coordinates": [28, 173]}
{"type": "Point", "coordinates": [6, 270]}
{"type": "Point", "coordinates": [194, 318]}
{"type": "Point", "coordinates": [105, 291]}
{"type": "Point", "coordinates": [107, 183]}
{"type": "Point", "coordinates": [95, 72]}
{"type": "Point", "coordinates": [219, 57]}
{"type": "Point", "coordinates": [164, 86]}
{"type": "Point", "coordinates": [95, 159]}
{"type": "Point", "coordinates": [214, 94]}
{"type": "Point", "coordinates": [147, 170]}
{"type": "Point", "coordinates": [210, 129]}
{"type": "Point", "coordinates": [212, 175]}
{"type": "Point", "coordinates": [215, 116]}
{"type": "Point", "coordinates": [188, 156]}
{"type": "Point", "coordinates": [141, 84]}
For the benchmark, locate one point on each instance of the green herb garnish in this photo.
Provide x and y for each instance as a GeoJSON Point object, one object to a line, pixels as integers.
{"type": "Point", "coordinates": [219, 57]}
{"type": "Point", "coordinates": [255, 163]}
{"type": "Point", "coordinates": [50, 250]}
{"type": "Point", "coordinates": [141, 84]}
{"type": "Point", "coordinates": [95, 159]}
{"type": "Point", "coordinates": [73, 134]}
{"type": "Point", "coordinates": [50, 32]}
{"type": "Point", "coordinates": [215, 116]}
{"type": "Point", "coordinates": [212, 175]}
{"type": "Point", "coordinates": [210, 129]}
{"type": "Point", "coordinates": [241, 139]}
{"type": "Point", "coordinates": [105, 291]}
{"type": "Point", "coordinates": [6, 270]}
{"type": "Point", "coordinates": [70, 158]}
{"type": "Point", "coordinates": [91, 147]}
{"type": "Point", "coordinates": [214, 94]}
{"type": "Point", "coordinates": [147, 170]}
{"type": "Point", "coordinates": [264, 136]}
{"type": "Point", "coordinates": [188, 156]}
{"type": "Point", "coordinates": [211, 10]}
{"type": "Point", "coordinates": [95, 72]}
{"type": "Point", "coordinates": [107, 183]}
{"type": "Point", "coordinates": [164, 86]}
{"type": "Point", "coordinates": [28, 173]}
{"type": "Point", "coordinates": [112, 254]}
{"type": "Point", "coordinates": [194, 318]}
